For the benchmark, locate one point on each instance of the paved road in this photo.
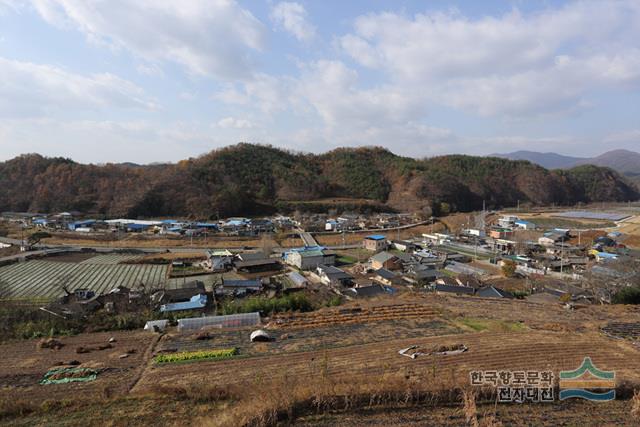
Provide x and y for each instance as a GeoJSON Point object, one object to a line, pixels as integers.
{"type": "Point", "coordinates": [307, 238]}
{"type": "Point", "coordinates": [41, 249]}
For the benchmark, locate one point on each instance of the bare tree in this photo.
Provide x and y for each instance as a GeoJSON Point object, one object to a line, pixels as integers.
{"type": "Point", "coordinates": [605, 280]}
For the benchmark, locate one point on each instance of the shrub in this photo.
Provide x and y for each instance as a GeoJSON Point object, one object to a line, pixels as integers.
{"type": "Point", "coordinates": [293, 302]}
{"type": "Point", "coordinates": [508, 268]}
{"type": "Point", "coordinates": [629, 295]}
{"type": "Point", "coordinates": [334, 301]}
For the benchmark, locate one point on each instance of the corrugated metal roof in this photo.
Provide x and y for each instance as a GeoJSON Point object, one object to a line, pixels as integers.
{"type": "Point", "coordinates": [455, 289]}
{"type": "Point", "coordinates": [196, 302]}
{"type": "Point", "coordinates": [376, 237]}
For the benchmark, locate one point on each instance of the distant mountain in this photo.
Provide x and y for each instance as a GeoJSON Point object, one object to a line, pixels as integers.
{"type": "Point", "coordinates": [546, 160]}
{"type": "Point", "coordinates": [623, 161]}
{"type": "Point", "coordinates": [247, 179]}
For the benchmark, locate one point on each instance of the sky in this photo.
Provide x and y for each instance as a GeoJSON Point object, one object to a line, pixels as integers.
{"type": "Point", "coordinates": [161, 80]}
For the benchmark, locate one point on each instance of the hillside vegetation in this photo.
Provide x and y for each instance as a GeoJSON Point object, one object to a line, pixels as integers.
{"type": "Point", "coordinates": [248, 179]}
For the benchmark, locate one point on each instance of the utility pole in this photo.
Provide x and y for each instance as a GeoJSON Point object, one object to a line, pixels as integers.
{"type": "Point", "coordinates": [475, 247]}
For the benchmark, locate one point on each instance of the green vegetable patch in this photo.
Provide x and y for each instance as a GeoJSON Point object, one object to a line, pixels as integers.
{"type": "Point", "coordinates": [191, 356]}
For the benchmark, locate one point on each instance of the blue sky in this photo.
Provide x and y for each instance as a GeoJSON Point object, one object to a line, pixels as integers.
{"type": "Point", "coordinates": [159, 80]}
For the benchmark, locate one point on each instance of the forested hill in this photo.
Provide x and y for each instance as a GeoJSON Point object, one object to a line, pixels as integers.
{"type": "Point", "coordinates": [248, 179]}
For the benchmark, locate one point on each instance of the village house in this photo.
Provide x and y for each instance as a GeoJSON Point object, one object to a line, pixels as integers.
{"type": "Point", "coordinates": [238, 287]}
{"type": "Point", "coordinates": [309, 258]}
{"type": "Point", "coordinates": [500, 233]}
{"type": "Point", "coordinates": [493, 292]}
{"type": "Point", "coordinates": [218, 260]}
{"type": "Point", "coordinates": [369, 291]}
{"type": "Point", "coordinates": [385, 260]}
{"type": "Point", "coordinates": [375, 243]}
{"type": "Point", "coordinates": [403, 245]}
{"type": "Point", "coordinates": [508, 221]}
{"type": "Point", "coordinates": [387, 277]}
{"type": "Point", "coordinates": [333, 276]}
{"type": "Point", "coordinates": [257, 266]}
{"type": "Point", "coordinates": [550, 238]}
{"type": "Point", "coordinates": [421, 274]}
{"type": "Point", "coordinates": [525, 225]}
{"type": "Point", "coordinates": [453, 289]}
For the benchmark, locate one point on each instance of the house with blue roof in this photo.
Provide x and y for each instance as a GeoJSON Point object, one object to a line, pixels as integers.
{"type": "Point", "coordinates": [375, 242]}
{"type": "Point", "coordinates": [310, 257]}
{"type": "Point", "coordinates": [524, 224]}
{"type": "Point", "coordinates": [196, 302]}
{"type": "Point", "coordinates": [73, 226]}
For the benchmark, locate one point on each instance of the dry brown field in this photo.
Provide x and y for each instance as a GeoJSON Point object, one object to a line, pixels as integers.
{"type": "Point", "coordinates": [23, 365]}
{"type": "Point", "coordinates": [337, 352]}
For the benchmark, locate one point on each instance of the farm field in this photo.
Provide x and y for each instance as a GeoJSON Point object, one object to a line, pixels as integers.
{"type": "Point", "coordinates": [152, 241]}
{"type": "Point", "coordinates": [111, 259]}
{"type": "Point", "coordinates": [351, 348]}
{"type": "Point", "coordinates": [630, 228]}
{"type": "Point", "coordinates": [44, 279]}
{"type": "Point", "coordinates": [299, 340]}
{"type": "Point", "coordinates": [576, 413]}
{"type": "Point", "coordinates": [23, 365]}
{"type": "Point", "coordinates": [528, 350]}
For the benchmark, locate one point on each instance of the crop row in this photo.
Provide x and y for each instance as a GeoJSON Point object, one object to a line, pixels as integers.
{"type": "Point", "coordinates": [110, 259]}
{"type": "Point", "coordinates": [487, 351]}
{"type": "Point", "coordinates": [187, 356]}
{"type": "Point", "coordinates": [44, 279]}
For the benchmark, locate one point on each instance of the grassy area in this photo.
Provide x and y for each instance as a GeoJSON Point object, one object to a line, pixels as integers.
{"type": "Point", "coordinates": [293, 302]}
{"type": "Point", "coordinates": [553, 222]}
{"type": "Point", "coordinates": [345, 260]}
{"type": "Point", "coordinates": [479, 325]}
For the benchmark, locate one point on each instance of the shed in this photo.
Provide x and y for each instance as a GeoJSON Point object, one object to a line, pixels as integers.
{"type": "Point", "coordinates": [298, 279]}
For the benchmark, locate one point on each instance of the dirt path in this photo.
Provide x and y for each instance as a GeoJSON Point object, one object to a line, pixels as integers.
{"type": "Point", "coordinates": [146, 360]}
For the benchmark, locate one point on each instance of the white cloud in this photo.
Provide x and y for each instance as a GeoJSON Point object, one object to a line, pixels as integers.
{"type": "Point", "coordinates": [31, 90]}
{"type": "Point", "coordinates": [269, 94]}
{"type": "Point", "coordinates": [332, 89]}
{"type": "Point", "coordinates": [207, 37]}
{"type": "Point", "coordinates": [511, 65]}
{"type": "Point", "coordinates": [234, 123]}
{"type": "Point", "coordinates": [12, 5]}
{"type": "Point", "coordinates": [139, 141]}
{"type": "Point", "coordinates": [292, 17]}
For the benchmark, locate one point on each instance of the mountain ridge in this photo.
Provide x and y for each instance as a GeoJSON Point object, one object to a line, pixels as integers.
{"type": "Point", "coordinates": [626, 162]}
{"type": "Point", "coordinates": [250, 179]}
